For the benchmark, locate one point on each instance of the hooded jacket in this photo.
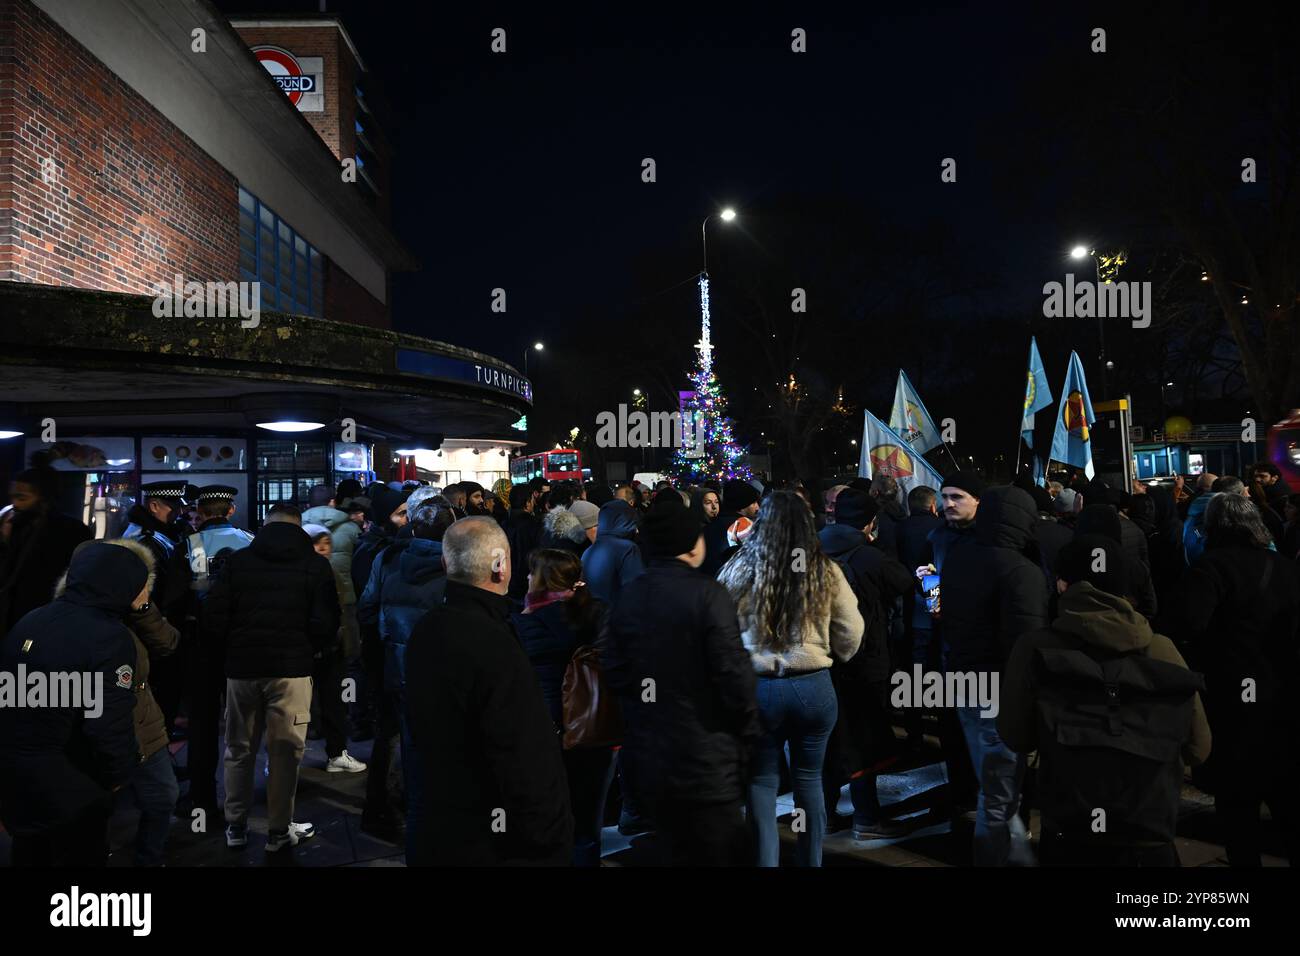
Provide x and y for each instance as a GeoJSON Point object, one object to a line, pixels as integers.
{"type": "Point", "coordinates": [614, 558]}
{"type": "Point", "coordinates": [561, 529]}
{"type": "Point", "coordinates": [55, 763]}
{"type": "Point", "coordinates": [343, 542]}
{"type": "Point", "coordinates": [994, 592]}
{"type": "Point", "coordinates": [678, 627]}
{"type": "Point", "coordinates": [154, 636]}
{"type": "Point", "coordinates": [1088, 618]}
{"type": "Point", "coordinates": [404, 585]}
{"type": "Point", "coordinates": [274, 606]}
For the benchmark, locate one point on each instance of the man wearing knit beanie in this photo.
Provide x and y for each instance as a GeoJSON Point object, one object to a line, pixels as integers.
{"type": "Point", "coordinates": [673, 656]}
{"type": "Point", "coordinates": [588, 515]}
{"type": "Point", "coordinates": [739, 500]}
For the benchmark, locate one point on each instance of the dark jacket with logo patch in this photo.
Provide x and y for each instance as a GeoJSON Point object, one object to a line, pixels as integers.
{"type": "Point", "coordinates": [55, 763]}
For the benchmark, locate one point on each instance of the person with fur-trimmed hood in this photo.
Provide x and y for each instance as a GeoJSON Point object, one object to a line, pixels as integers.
{"type": "Point", "coordinates": [562, 529]}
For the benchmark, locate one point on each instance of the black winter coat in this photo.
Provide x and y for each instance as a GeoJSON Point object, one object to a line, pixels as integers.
{"type": "Point", "coordinates": [677, 627]}
{"type": "Point", "coordinates": [1242, 616]}
{"type": "Point", "coordinates": [885, 581]}
{"type": "Point", "coordinates": [992, 593]}
{"type": "Point", "coordinates": [55, 763]}
{"type": "Point", "coordinates": [37, 553]}
{"type": "Point", "coordinates": [717, 548]}
{"type": "Point", "coordinates": [481, 728]}
{"type": "Point", "coordinates": [523, 531]}
{"type": "Point", "coordinates": [273, 606]}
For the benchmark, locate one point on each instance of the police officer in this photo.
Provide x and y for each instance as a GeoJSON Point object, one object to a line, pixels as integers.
{"type": "Point", "coordinates": [155, 523]}
{"type": "Point", "coordinates": [205, 551]}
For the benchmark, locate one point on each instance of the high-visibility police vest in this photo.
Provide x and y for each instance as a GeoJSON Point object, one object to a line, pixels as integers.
{"type": "Point", "coordinates": [203, 545]}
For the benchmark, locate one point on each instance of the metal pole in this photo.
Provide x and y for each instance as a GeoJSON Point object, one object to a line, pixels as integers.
{"type": "Point", "coordinates": [1101, 331]}
{"type": "Point", "coordinates": [704, 241]}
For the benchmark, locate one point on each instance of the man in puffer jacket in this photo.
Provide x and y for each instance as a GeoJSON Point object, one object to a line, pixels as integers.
{"type": "Point", "coordinates": [404, 584]}
{"type": "Point", "coordinates": [272, 609]}
{"type": "Point", "coordinates": [991, 595]}
{"type": "Point", "coordinates": [614, 560]}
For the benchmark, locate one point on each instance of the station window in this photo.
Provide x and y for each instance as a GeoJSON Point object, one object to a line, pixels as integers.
{"type": "Point", "coordinates": [287, 265]}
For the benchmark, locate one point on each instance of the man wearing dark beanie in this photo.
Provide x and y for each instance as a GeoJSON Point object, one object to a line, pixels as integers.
{"type": "Point", "coordinates": [1106, 521]}
{"type": "Point", "coordinates": [1096, 625]}
{"type": "Point", "coordinates": [672, 653]}
{"type": "Point", "coordinates": [863, 737]}
{"type": "Point", "coordinates": [739, 499]}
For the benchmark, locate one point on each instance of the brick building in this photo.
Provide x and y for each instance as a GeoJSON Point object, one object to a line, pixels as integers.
{"type": "Point", "coordinates": [148, 147]}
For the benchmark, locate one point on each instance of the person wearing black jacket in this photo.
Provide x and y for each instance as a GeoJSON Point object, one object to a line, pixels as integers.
{"type": "Point", "coordinates": [990, 595]}
{"type": "Point", "coordinates": [479, 722]}
{"type": "Point", "coordinates": [1105, 520]}
{"type": "Point", "coordinates": [60, 765]}
{"type": "Point", "coordinates": [36, 543]}
{"type": "Point", "coordinates": [1241, 606]}
{"type": "Point", "coordinates": [273, 607]}
{"type": "Point", "coordinates": [863, 742]}
{"type": "Point", "coordinates": [523, 531]}
{"type": "Point", "coordinates": [673, 655]}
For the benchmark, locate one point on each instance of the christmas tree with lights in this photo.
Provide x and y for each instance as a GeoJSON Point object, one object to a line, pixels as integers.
{"type": "Point", "coordinates": [709, 451]}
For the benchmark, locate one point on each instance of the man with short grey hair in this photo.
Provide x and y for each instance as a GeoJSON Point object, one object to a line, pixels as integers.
{"type": "Point", "coordinates": [479, 723]}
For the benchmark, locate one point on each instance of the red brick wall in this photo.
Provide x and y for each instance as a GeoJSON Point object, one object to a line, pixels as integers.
{"type": "Point", "coordinates": [346, 300]}
{"type": "Point", "coordinates": [134, 201]}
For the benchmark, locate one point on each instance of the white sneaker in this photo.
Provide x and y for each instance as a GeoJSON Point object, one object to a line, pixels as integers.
{"type": "Point", "coordinates": [344, 763]}
{"type": "Point", "coordinates": [236, 837]}
{"type": "Point", "coordinates": [296, 834]}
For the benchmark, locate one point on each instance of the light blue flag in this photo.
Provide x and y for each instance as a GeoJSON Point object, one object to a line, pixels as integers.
{"type": "Point", "coordinates": [1072, 440]}
{"type": "Point", "coordinates": [1038, 395]}
{"type": "Point", "coordinates": [1040, 474]}
{"type": "Point", "coordinates": [884, 452]}
{"type": "Point", "coordinates": [910, 419]}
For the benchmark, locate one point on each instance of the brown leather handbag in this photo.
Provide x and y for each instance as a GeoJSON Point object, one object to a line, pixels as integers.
{"type": "Point", "coordinates": [592, 716]}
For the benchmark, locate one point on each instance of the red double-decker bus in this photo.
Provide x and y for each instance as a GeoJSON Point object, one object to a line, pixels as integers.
{"type": "Point", "coordinates": [558, 464]}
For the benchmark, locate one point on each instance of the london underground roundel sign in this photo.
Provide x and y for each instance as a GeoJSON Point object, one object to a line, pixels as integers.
{"type": "Point", "coordinates": [288, 75]}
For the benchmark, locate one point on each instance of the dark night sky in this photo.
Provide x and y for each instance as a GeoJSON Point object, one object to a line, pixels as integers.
{"type": "Point", "coordinates": [522, 170]}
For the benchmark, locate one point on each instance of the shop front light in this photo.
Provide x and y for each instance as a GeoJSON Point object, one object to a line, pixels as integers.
{"type": "Point", "coordinates": [290, 426]}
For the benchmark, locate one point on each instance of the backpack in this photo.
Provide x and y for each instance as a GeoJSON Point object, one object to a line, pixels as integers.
{"type": "Point", "coordinates": [591, 713]}
{"type": "Point", "coordinates": [1110, 736]}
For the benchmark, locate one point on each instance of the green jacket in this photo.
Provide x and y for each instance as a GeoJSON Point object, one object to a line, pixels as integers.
{"type": "Point", "coordinates": [343, 539]}
{"type": "Point", "coordinates": [1086, 616]}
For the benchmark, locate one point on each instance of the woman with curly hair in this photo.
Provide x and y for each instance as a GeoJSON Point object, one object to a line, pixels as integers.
{"type": "Point", "coordinates": [797, 613]}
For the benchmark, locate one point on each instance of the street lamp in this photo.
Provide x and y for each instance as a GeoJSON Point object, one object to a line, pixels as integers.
{"type": "Point", "coordinates": [537, 347]}
{"type": "Point", "coordinates": [727, 215]}
{"type": "Point", "coordinates": [1083, 252]}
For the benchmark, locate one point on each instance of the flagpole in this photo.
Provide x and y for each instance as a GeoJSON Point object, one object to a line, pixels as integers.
{"type": "Point", "coordinates": [948, 449]}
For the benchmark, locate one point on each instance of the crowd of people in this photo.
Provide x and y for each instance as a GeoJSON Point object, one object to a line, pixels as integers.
{"type": "Point", "coordinates": [532, 657]}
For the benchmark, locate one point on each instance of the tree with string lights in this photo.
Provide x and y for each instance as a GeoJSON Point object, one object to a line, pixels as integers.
{"type": "Point", "coordinates": [709, 451]}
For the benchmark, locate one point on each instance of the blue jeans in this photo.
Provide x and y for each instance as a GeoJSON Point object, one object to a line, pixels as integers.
{"type": "Point", "coordinates": [801, 710]}
{"type": "Point", "coordinates": [154, 790]}
{"type": "Point", "coordinates": [1000, 835]}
